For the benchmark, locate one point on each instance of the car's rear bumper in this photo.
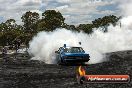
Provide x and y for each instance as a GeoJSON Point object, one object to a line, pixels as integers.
{"type": "Point", "coordinates": [76, 60]}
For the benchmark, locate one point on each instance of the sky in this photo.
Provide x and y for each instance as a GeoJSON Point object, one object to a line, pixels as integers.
{"type": "Point", "coordinates": [74, 11]}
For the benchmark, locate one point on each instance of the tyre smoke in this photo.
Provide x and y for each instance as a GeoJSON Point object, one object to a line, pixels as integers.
{"type": "Point", "coordinates": [44, 45]}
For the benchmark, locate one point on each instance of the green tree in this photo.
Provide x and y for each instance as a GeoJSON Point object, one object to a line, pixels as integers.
{"type": "Point", "coordinates": [70, 27]}
{"type": "Point", "coordinates": [9, 31]}
{"type": "Point", "coordinates": [105, 21]}
{"type": "Point", "coordinates": [30, 20]}
{"type": "Point", "coordinates": [87, 28]}
{"type": "Point", "coordinates": [51, 20]}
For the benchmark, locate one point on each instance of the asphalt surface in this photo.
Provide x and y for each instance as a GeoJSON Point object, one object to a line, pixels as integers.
{"type": "Point", "coordinates": [20, 72]}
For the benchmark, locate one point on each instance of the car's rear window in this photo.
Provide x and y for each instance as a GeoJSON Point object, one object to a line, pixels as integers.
{"type": "Point", "coordinates": [73, 50]}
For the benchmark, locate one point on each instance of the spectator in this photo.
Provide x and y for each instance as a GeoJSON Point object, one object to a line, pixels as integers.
{"type": "Point", "coordinates": [17, 44]}
{"type": "Point", "coordinates": [4, 53]}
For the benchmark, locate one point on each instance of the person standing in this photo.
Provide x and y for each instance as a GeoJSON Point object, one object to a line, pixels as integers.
{"type": "Point", "coordinates": [4, 53]}
{"type": "Point", "coordinates": [17, 44]}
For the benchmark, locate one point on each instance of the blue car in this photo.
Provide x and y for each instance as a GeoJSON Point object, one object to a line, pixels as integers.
{"type": "Point", "coordinates": [68, 54]}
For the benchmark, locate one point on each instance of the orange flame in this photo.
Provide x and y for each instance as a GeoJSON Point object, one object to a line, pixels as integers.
{"type": "Point", "coordinates": [81, 71]}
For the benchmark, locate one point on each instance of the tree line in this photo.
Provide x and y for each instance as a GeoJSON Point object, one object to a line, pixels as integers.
{"type": "Point", "coordinates": [10, 31]}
